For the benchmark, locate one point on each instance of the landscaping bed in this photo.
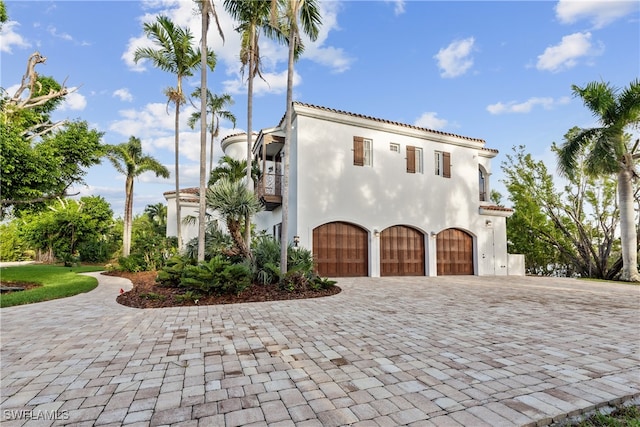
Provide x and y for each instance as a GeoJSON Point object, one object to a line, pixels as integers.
{"type": "Point", "coordinates": [147, 294]}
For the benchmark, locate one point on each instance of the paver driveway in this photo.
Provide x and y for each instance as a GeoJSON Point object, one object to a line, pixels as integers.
{"type": "Point", "coordinates": [466, 351]}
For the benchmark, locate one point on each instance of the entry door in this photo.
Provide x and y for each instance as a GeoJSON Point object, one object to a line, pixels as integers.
{"type": "Point", "coordinates": [341, 249]}
{"type": "Point", "coordinates": [401, 252]}
{"type": "Point", "coordinates": [454, 252]}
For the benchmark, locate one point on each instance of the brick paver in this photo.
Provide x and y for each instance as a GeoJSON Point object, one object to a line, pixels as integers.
{"type": "Point", "coordinates": [505, 351]}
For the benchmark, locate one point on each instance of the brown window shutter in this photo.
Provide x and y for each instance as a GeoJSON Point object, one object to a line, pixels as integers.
{"type": "Point", "coordinates": [358, 151]}
{"type": "Point", "coordinates": [446, 165]}
{"type": "Point", "coordinates": [411, 159]}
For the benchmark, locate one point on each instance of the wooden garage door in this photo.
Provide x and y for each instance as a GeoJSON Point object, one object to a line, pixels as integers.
{"type": "Point", "coordinates": [454, 252]}
{"type": "Point", "coordinates": [340, 249]}
{"type": "Point", "coordinates": [401, 252]}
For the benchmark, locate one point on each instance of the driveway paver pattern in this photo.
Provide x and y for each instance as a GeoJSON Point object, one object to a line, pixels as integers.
{"type": "Point", "coordinates": [445, 351]}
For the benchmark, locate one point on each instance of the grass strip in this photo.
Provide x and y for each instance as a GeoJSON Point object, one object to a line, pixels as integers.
{"type": "Point", "coordinates": [56, 281]}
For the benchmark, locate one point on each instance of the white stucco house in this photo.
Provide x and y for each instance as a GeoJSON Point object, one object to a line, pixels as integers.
{"type": "Point", "coordinates": [372, 197]}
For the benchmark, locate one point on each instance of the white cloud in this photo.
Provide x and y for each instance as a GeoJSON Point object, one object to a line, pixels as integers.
{"type": "Point", "coordinates": [123, 94]}
{"type": "Point", "coordinates": [565, 55]}
{"type": "Point", "coordinates": [525, 107]}
{"type": "Point", "coordinates": [151, 122]}
{"type": "Point", "coordinates": [10, 38]}
{"type": "Point", "coordinates": [398, 8]}
{"type": "Point", "coordinates": [54, 32]}
{"type": "Point", "coordinates": [272, 84]}
{"type": "Point", "coordinates": [274, 55]}
{"type": "Point", "coordinates": [599, 12]}
{"type": "Point", "coordinates": [430, 121]}
{"type": "Point", "coordinates": [455, 59]}
{"type": "Point", "coordinates": [332, 57]}
{"type": "Point", "coordinates": [74, 101]}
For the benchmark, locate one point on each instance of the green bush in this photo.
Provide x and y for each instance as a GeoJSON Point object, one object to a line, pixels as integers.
{"type": "Point", "coordinates": [266, 260]}
{"type": "Point", "coordinates": [12, 246]}
{"type": "Point", "coordinates": [171, 273]}
{"type": "Point", "coordinates": [217, 275]}
{"type": "Point", "coordinates": [235, 278]}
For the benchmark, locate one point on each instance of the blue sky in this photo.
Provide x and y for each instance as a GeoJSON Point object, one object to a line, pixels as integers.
{"type": "Point", "coordinates": [501, 71]}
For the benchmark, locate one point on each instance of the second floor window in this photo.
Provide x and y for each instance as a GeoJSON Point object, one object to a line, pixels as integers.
{"type": "Point", "coordinates": [414, 159]}
{"type": "Point", "coordinates": [362, 151]}
{"type": "Point", "coordinates": [443, 164]}
{"type": "Point", "coordinates": [482, 184]}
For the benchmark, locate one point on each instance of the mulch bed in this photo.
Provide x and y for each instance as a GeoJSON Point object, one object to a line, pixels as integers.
{"type": "Point", "coordinates": [8, 286]}
{"type": "Point", "coordinates": [147, 294]}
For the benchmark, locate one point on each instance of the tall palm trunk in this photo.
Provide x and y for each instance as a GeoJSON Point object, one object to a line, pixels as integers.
{"type": "Point", "coordinates": [628, 235]}
{"type": "Point", "coordinates": [284, 239]}
{"type": "Point", "coordinates": [202, 208]}
{"type": "Point", "coordinates": [177, 162]}
{"type": "Point", "coordinates": [247, 221]}
{"type": "Point", "coordinates": [128, 217]}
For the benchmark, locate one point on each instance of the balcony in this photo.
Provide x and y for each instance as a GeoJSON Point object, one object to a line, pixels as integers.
{"type": "Point", "coordinates": [270, 190]}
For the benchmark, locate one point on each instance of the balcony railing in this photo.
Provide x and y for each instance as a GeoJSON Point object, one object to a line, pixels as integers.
{"type": "Point", "coordinates": [270, 190]}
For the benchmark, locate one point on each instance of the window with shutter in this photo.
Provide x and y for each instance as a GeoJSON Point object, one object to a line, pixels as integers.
{"type": "Point", "coordinates": [411, 159]}
{"type": "Point", "coordinates": [443, 164]}
{"type": "Point", "coordinates": [358, 151]}
{"type": "Point", "coordinates": [446, 165]}
{"type": "Point", "coordinates": [362, 151]}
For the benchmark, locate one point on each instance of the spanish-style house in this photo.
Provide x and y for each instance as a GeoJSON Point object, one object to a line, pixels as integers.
{"type": "Point", "coordinates": [372, 197]}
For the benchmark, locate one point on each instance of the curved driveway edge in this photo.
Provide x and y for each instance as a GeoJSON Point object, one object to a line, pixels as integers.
{"type": "Point", "coordinates": [480, 351]}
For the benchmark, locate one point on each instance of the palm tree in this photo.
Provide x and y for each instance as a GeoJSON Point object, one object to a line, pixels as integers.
{"type": "Point", "coordinates": [233, 170]}
{"type": "Point", "coordinates": [287, 14]}
{"type": "Point", "coordinates": [157, 214]}
{"type": "Point", "coordinates": [128, 159]}
{"type": "Point", "coordinates": [610, 152]}
{"type": "Point", "coordinates": [216, 107]}
{"type": "Point", "coordinates": [234, 201]}
{"type": "Point", "coordinates": [176, 55]}
{"type": "Point", "coordinates": [207, 9]}
{"type": "Point", "coordinates": [253, 17]}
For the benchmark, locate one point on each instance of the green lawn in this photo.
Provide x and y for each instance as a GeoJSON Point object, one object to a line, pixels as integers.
{"type": "Point", "coordinates": [57, 281]}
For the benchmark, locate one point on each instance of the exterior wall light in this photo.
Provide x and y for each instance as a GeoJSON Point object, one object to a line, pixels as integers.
{"type": "Point", "coordinates": [296, 241]}
{"type": "Point", "coordinates": [376, 232]}
{"type": "Point", "coordinates": [488, 223]}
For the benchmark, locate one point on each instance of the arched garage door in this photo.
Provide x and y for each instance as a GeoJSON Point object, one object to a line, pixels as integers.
{"type": "Point", "coordinates": [401, 252]}
{"type": "Point", "coordinates": [340, 249]}
{"type": "Point", "coordinates": [454, 252]}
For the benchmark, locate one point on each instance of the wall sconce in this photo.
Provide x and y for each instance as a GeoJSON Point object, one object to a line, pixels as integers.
{"type": "Point", "coordinates": [296, 240]}
{"type": "Point", "coordinates": [434, 234]}
{"type": "Point", "coordinates": [376, 232]}
{"type": "Point", "coordinates": [488, 223]}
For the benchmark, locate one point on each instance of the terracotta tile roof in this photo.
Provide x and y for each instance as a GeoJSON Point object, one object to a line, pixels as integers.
{"type": "Point", "coordinates": [496, 208]}
{"type": "Point", "coordinates": [190, 190]}
{"type": "Point", "coordinates": [237, 134]}
{"type": "Point", "coordinates": [385, 121]}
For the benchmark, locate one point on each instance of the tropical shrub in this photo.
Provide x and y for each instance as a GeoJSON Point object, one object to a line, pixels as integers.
{"type": "Point", "coordinates": [12, 246]}
{"type": "Point", "coordinates": [216, 276]}
{"type": "Point", "coordinates": [150, 250]}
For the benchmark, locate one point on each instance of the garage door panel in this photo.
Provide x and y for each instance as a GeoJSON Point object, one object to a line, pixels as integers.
{"type": "Point", "coordinates": [454, 252]}
{"type": "Point", "coordinates": [340, 250]}
{"type": "Point", "coordinates": [402, 252]}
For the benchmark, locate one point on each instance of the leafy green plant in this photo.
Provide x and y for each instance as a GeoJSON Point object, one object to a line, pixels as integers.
{"type": "Point", "coordinates": [217, 275]}
{"type": "Point", "coordinates": [204, 276]}
{"type": "Point", "coordinates": [188, 296]}
{"type": "Point", "coordinates": [153, 296]}
{"type": "Point", "coordinates": [171, 274]}
{"type": "Point", "coordinates": [236, 278]}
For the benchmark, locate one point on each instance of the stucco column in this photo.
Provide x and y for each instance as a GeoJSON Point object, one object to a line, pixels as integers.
{"type": "Point", "coordinates": [431, 263]}
{"type": "Point", "coordinates": [374, 253]}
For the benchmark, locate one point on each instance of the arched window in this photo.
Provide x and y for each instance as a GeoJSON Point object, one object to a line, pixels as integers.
{"type": "Point", "coordinates": [482, 185]}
